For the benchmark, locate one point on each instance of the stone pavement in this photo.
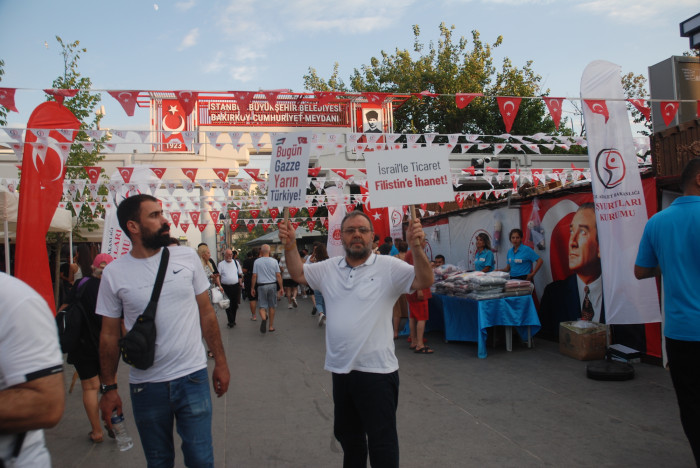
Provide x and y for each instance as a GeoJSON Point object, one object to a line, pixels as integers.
{"type": "Point", "coordinates": [527, 408]}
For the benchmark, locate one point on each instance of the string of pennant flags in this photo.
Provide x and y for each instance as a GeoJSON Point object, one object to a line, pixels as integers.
{"type": "Point", "coordinates": [185, 211]}
{"type": "Point", "coordinates": [508, 105]}
{"type": "Point", "coordinates": [321, 143]}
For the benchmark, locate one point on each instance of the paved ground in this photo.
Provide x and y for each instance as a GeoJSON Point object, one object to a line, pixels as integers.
{"type": "Point", "coordinates": [531, 407]}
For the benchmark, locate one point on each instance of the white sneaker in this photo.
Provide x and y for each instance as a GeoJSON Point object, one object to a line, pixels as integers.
{"type": "Point", "coordinates": [321, 319]}
{"type": "Point", "coordinates": [294, 301]}
{"type": "Point", "coordinates": [289, 306]}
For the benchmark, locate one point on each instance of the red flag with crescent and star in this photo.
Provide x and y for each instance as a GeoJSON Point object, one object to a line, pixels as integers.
{"type": "Point", "coordinates": [127, 99]}
{"type": "Point", "coordinates": [554, 106]}
{"type": "Point", "coordinates": [43, 171]}
{"type": "Point", "coordinates": [509, 109]}
{"type": "Point", "coordinates": [598, 106]}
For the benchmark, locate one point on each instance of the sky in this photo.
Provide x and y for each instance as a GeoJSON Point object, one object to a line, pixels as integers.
{"type": "Point", "coordinates": [221, 45]}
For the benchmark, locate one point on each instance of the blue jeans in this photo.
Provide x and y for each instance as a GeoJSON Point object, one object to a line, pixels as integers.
{"type": "Point", "coordinates": [186, 399]}
{"type": "Point", "coordinates": [320, 303]}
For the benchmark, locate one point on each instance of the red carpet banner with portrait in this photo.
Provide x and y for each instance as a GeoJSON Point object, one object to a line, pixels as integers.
{"type": "Point", "coordinates": [43, 169]}
{"type": "Point", "coordinates": [620, 207]}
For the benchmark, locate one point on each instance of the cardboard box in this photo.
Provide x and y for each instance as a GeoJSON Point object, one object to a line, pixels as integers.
{"type": "Point", "coordinates": [584, 344]}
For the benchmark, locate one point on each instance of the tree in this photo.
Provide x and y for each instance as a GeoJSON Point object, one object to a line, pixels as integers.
{"type": "Point", "coordinates": [635, 87]}
{"type": "Point", "coordinates": [83, 106]}
{"type": "Point", "coordinates": [448, 68]}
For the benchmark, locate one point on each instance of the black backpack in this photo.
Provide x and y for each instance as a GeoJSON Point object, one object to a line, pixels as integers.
{"type": "Point", "coordinates": [70, 320]}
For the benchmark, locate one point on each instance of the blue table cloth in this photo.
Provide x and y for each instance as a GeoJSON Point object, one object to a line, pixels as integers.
{"type": "Point", "coordinates": [467, 319]}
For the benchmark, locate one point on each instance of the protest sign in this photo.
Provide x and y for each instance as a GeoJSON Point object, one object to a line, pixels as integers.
{"type": "Point", "coordinates": [408, 176]}
{"type": "Point", "coordinates": [289, 165]}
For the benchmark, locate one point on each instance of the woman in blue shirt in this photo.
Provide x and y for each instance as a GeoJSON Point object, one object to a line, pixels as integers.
{"type": "Point", "coordinates": [521, 258]}
{"type": "Point", "coordinates": [483, 259]}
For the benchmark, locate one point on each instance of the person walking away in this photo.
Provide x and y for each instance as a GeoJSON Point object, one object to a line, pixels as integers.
{"type": "Point", "coordinates": [248, 280]}
{"type": "Point", "coordinates": [176, 386]}
{"type": "Point", "coordinates": [290, 286]}
{"type": "Point", "coordinates": [360, 289]}
{"type": "Point", "coordinates": [230, 281]}
{"type": "Point", "coordinates": [669, 247]}
{"type": "Point", "coordinates": [86, 357]}
{"type": "Point", "coordinates": [266, 285]}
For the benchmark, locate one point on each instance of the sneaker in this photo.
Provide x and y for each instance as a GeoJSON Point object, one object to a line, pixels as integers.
{"type": "Point", "coordinates": [263, 325]}
{"type": "Point", "coordinates": [289, 306]}
{"type": "Point", "coordinates": [321, 319]}
{"type": "Point", "coordinates": [230, 325]}
{"type": "Point", "coordinates": [294, 301]}
{"type": "Point", "coordinates": [314, 310]}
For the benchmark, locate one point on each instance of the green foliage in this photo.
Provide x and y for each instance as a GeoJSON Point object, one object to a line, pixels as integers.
{"type": "Point", "coordinates": [83, 106]}
{"type": "Point", "coordinates": [635, 87]}
{"type": "Point", "coordinates": [446, 68]}
{"type": "Point", "coordinates": [3, 111]}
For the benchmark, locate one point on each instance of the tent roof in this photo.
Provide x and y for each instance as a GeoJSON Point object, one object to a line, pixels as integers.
{"type": "Point", "coordinates": [9, 203]}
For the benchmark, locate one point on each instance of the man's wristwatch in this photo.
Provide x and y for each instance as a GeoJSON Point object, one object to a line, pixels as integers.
{"type": "Point", "coordinates": [106, 388]}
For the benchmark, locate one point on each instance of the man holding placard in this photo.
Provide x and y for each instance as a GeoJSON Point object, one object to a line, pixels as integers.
{"type": "Point", "coordinates": [361, 289]}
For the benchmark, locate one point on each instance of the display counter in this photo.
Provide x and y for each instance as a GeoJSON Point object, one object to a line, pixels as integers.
{"type": "Point", "coordinates": [467, 320]}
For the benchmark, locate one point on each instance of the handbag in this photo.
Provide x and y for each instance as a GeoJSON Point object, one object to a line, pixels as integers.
{"type": "Point", "coordinates": [138, 346]}
{"type": "Point", "coordinates": [216, 295]}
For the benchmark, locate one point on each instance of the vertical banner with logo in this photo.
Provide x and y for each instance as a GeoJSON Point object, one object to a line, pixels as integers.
{"type": "Point", "coordinates": [289, 169]}
{"type": "Point", "coordinates": [618, 196]}
{"type": "Point", "coordinates": [43, 170]}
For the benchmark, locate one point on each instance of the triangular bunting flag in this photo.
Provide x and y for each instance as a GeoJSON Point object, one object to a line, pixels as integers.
{"type": "Point", "coordinates": [187, 100]}
{"type": "Point", "coordinates": [126, 172]}
{"type": "Point", "coordinates": [598, 106]}
{"type": "Point", "coordinates": [462, 100]}
{"type": "Point", "coordinates": [190, 173]}
{"type": "Point", "coordinates": [509, 109]}
{"type": "Point", "coordinates": [668, 111]}
{"type": "Point", "coordinates": [127, 99]}
{"type": "Point", "coordinates": [554, 106]}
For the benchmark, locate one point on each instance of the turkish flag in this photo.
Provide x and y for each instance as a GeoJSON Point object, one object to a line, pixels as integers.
{"type": "Point", "coordinates": [60, 93]}
{"type": "Point", "coordinates": [184, 226]}
{"type": "Point", "coordinates": [7, 98]}
{"type": "Point", "coordinates": [187, 100]}
{"type": "Point", "coordinates": [243, 99]}
{"type": "Point", "coordinates": [462, 100]}
{"type": "Point", "coordinates": [127, 99]}
{"type": "Point", "coordinates": [312, 209]}
{"type": "Point", "coordinates": [293, 210]}
{"type": "Point", "coordinates": [598, 106]}
{"type": "Point", "coordinates": [42, 188]}
{"type": "Point", "coordinates": [93, 173]}
{"type": "Point", "coordinates": [509, 109]}
{"type": "Point", "coordinates": [554, 106]}
{"type": "Point", "coordinates": [233, 214]}
{"type": "Point", "coordinates": [158, 171]}
{"type": "Point", "coordinates": [221, 172]}
{"type": "Point", "coordinates": [668, 111]}
{"type": "Point", "coordinates": [641, 106]}
{"type": "Point", "coordinates": [314, 171]}
{"type": "Point", "coordinates": [274, 213]}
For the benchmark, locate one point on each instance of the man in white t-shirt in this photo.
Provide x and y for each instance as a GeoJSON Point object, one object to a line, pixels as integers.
{"type": "Point", "coordinates": [176, 387]}
{"type": "Point", "coordinates": [231, 275]}
{"type": "Point", "coordinates": [32, 394]}
{"type": "Point", "coordinates": [360, 289]}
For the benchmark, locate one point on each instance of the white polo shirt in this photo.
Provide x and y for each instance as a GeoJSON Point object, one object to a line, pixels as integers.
{"type": "Point", "coordinates": [360, 301]}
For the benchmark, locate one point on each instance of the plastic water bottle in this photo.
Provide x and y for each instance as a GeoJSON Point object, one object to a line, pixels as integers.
{"type": "Point", "coordinates": [124, 442]}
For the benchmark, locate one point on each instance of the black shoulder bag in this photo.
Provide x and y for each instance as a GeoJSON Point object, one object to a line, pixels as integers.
{"type": "Point", "coordinates": [138, 346]}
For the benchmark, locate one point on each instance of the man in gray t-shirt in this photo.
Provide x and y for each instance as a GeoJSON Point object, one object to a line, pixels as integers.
{"type": "Point", "coordinates": [266, 286]}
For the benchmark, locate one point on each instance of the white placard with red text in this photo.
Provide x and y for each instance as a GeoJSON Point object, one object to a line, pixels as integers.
{"type": "Point", "coordinates": [289, 167]}
{"type": "Point", "coordinates": [409, 176]}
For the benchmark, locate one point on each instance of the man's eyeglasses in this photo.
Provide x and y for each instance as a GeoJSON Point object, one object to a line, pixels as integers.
{"type": "Point", "coordinates": [362, 230]}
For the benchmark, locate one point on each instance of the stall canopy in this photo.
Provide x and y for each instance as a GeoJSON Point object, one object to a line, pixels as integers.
{"type": "Point", "coordinates": [9, 202]}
